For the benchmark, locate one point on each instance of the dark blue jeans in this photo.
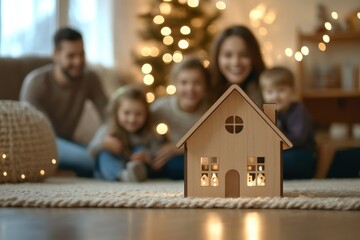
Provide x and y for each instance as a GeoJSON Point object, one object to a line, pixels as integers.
{"type": "Point", "coordinates": [108, 166]}
{"type": "Point", "coordinates": [346, 164]}
{"type": "Point", "coordinates": [75, 157]}
{"type": "Point", "coordinates": [173, 169]}
{"type": "Point", "coordinates": [298, 163]}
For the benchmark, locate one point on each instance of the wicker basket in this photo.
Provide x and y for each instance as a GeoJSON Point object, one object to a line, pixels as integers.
{"type": "Point", "coordinates": [27, 144]}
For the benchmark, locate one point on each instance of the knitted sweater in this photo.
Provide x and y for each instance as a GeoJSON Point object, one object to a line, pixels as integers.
{"type": "Point", "coordinates": [167, 110]}
{"type": "Point", "coordinates": [63, 105]}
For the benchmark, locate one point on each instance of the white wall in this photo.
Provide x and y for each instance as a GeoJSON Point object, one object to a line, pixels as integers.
{"type": "Point", "coordinates": [291, 16]}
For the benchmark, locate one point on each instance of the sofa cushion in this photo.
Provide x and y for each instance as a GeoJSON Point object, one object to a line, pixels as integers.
{"type": "Point", "coordinates": [13, 72]}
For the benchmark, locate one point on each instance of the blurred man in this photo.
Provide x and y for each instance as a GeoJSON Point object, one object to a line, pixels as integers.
{"type": "Point", "coordinates": [60, 90]}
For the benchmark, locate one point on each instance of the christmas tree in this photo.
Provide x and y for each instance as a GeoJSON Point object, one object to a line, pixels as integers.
{"type": "Point", "coordinates": [172, 29]}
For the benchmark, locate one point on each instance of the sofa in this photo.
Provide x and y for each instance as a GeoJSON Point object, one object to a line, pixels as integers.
{"type": "Point", "coordinates": [12, 74]}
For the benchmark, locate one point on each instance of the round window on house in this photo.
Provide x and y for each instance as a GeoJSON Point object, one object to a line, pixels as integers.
{"type": "Point", "coordinates": [234, 124]}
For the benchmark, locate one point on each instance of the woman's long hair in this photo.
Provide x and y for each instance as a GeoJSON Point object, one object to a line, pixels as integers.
{"type": "Point", "coordinates": [219, 81]}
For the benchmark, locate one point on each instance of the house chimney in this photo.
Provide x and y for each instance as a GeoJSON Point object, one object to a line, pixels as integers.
{"type": "Point", "coordinates": [270, 111]}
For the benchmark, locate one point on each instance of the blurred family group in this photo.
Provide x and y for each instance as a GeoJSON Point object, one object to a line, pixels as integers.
{"type": "Point", "coordinates": [126, 147]}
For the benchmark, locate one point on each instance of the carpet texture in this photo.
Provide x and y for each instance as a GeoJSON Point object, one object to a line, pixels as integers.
{"type": "Point", "coordinates": [74, 192]}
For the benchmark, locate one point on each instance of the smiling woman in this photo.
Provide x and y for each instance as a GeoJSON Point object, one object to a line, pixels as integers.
{"type": "Point", "coordinates": [237, 60]}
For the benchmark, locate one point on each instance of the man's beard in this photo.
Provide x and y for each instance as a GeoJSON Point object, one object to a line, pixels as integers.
{"type": "Point", "coordinates": [68, 76]}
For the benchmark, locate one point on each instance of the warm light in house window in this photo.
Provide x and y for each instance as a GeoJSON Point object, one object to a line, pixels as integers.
{"type": "Point", "coordinates": [154, 52]}
{"type": "Point", "coordinates": [53, 161]}
{"type": "Point", "coordinates": [185, 30]}
{"type": "Point", "coordinates": [42, 172]}
{"type": "Point", "coordinates": [196, 22]}
{"type": "Point", "coordinates": [182, 1]}
{"type": "Point", "coordinates": [334, 15]}
{"type": "Point", "coordinates": [305, 50]}
{"type": "Point", "coordinates": [270, 17]}
{"type": "Point", "coordinates": [146, 68]}
{"type": "Point", "coordinates": [168, 40]}
{"type": "Point", "coordinates": [171, 89]}
{"type": "Point", "coordinates": [204, 180]}
{"type": "Point", "coordinates": [214, 180]}
{"type": "Point", "coordinates": [328, 26]}
{"type": "Point", "coordinates": [358, 15]}
{"type": "Point", "coordinates": [146, 51]}
{"type": "Point", "coordinates": [167, 58]}
{"type": "Point", "coordinates": [148, 79]}
{"type": "Point", "coordinates": [206, 63]}
{"type": "Point", "coordinates": [158, 19]}
{"type": "Point", "coordinates": [220, 5]}
{"type": "Point", "coordinates": [165, 31]}
{"type": "Point", "coordinates": [150, 97]}
{"type": "Point", "coordinates": [183, 44]}
{"type": "Point", "coordinates": [298, 56]}
{"type": "Point", "coordinates": [22, 176]}
{"type": "Point", "coordinates": [326, 38]}
{"type": "Point", "coordinates": [177, 57]}
{"type": "Point", "coordinates": [193, 3]}
{"type": "Point", "coordinates": [263, 31]}
{"type": "Point", "coordinates": [165, 8]}
{"type": "Point", "coordinates": [161, 128]}
{"type": "Point", "coordinates": [322, 46]}
{"type": "Point", "coordinates": [288, 52]}
{"type": "Point", "coordinates": [5, 174]}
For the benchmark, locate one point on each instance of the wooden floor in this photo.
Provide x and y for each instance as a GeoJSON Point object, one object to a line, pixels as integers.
{"type": "Point", "coordinates": [161, 224]}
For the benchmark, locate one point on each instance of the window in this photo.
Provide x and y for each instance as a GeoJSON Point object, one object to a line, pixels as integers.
{"type": "Point", "coordinates": [256, 171]}
{"type": "Point", "coordinates": [209, 171]}
{"type": "Point", "coordinates": [234, 124]}
{"type": "Point", "coordinates": [27, 27]}
{"type": "Point", "coordinates": [94, 19]}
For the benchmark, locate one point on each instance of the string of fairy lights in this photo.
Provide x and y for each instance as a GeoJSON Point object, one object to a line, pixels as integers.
{"type": "Point", "coordinates": [261, 18]}
{"type": "Point", "coordinates": [165, 9]}
{"type": "Point", "coordinates": [5, 173]}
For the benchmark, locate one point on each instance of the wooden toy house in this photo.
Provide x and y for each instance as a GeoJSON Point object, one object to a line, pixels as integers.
{"type": "Point", "coordinates": [234, 150]}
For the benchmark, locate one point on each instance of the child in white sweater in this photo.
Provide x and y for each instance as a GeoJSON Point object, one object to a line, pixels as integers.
{"type": "Point", "coordinates": [180, 112]}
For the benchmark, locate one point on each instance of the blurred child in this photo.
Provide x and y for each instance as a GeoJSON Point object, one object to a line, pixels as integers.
{"type": "Point", "coordinates": [125, 144]}
{"type": "Point", "coordinates": [277, 85]}
{"type": "Point", "coordinates": [180, 112]}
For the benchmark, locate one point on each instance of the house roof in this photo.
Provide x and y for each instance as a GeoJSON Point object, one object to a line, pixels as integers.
{"type": "Point", "coordinates": [212, 109]}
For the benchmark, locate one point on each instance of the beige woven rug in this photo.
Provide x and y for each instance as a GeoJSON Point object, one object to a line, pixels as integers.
{"type": "Point", "coordinates": [75, 192]}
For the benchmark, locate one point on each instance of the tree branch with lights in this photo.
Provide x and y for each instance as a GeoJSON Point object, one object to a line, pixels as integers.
{"type": "Point", "coordinates": [172, 29]}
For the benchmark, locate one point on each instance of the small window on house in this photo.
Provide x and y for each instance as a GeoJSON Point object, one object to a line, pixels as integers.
{"type": "Point", "coordinates": [205, 180]}
{"type": "Point", "coordinates": [214, 164]}
{"type": "Point", "coordinates": [214, 179]}
{"type": "Point", "coordinates": [205, 164]}
{"type": "Point", "coordinates": [256, 171]}
{"type": "Point", "coordinates": [234, 124]}
{"type": "Point", "coordinates": [209, 171]}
